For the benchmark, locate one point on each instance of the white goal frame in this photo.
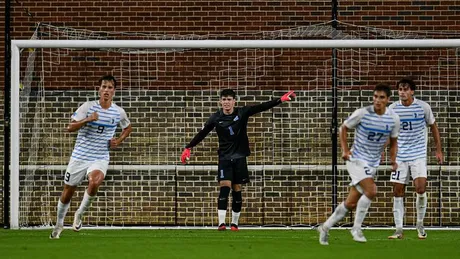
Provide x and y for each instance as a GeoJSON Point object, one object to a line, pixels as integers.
{"type": "Point", "coordinates": [171, 44]}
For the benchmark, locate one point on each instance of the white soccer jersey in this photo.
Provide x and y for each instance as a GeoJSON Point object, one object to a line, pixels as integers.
{"type": "Point", "coordinates": [412, 141]}
{"type": "Point", "coordinates": [372, 132]}
{"type": "Point", "coordinates": [93, 139]}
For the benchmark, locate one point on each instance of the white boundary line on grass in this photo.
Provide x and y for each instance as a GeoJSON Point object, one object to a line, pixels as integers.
{"type": "Point", "coordinates": [457, 228]}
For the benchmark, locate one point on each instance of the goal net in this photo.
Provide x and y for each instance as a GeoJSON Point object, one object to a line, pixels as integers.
{"type": "Point", "coordinates": [168, 94]}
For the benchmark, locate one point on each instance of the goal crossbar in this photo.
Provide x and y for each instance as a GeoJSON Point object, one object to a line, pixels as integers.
{"type": "Point", "coordinates": [237, 44]}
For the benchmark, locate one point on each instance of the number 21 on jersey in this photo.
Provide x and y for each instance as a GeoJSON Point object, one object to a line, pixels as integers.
{"type": "Point", "coordinates": [406, 125]}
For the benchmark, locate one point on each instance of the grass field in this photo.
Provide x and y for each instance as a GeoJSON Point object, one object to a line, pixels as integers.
{"type": "Point", "coordinates": [247, 244]}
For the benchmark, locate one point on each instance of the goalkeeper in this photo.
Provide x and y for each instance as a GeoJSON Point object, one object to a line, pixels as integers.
{"type": "Point", "coordinates": [231, 123]}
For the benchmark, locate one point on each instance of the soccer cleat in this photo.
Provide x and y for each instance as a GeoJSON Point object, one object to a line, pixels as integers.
{"type": "Point", "coordinates": [323, 235]}
{"type": "Point", "coordinates": [358, 235]}
{"type": "Point", "coordinates": [234, 227]}
{"type": "Point", "coordinates": [421, 232]}
{"type": "Point", "coordinates": [77, 222]}
{"type": "Point", "coordinates": [56, 232]}
{"type": "Point", "coordinates": [397, 235]}
{"type": "Point", "coordinates": [222, 227]}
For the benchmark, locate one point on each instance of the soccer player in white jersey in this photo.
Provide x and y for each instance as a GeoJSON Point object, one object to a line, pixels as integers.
{"type": "Point", "coordinates": [415, 115]}
{"type": "Point", "coordinates": [96, 122]}
{"type": "Point", "coordinates": [373, 126]}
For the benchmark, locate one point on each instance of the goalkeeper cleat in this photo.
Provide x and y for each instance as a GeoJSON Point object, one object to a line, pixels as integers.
{"type": "Point", "coordinates": [323, 235]}
{"type": "Point", "coordinates": [77, 222]}
{"type": "Point", "coordinates": [222, 227]}
{"type": "Point", "coordinates": [421, 232]}
{"type": "Point", "coordinates": [234, 227]}
{"type": "Point", "coordinates": [56, 232]}
{"type": "Point", "coordinates": [397, 235]}
{"type": "Point", "coordinates": [358, 235]}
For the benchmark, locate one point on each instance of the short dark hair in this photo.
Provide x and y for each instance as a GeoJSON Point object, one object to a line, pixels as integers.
{"type": "Point", "coordinates": [108, 78]}
{"type": "Point", "coordinates": [384, 87]}
{"type": "Point", "coordinates": [228, 92]}
{"type": "Point", "coordinates": [407, 80]}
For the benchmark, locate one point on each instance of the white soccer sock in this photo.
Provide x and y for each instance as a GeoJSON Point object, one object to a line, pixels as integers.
{"type": "Point", "coordinates": [235, 217]}
{"type": "Point", "coordinates": [222, 214]}
{"type": "Point", "coordinates": [338, 215]}
{"type": "Point", "coordinates": [61, 212]}
{"type": "Point", "coordinates": [398, 211]}
{"type": "Point", "coordinates": [421, 207]}
{"type": "Point", "coordinates": [361, 210]}
{"type": "Point", "coordinates": [85, 203]}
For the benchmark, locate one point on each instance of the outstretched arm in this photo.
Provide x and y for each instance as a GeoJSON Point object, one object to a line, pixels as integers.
{"type": "Point", "coordinates": [437, 142]}
{"type": "Point", "coordinates": [270, 104]}
{"type": "Point", "coordinates": [196, 140]}
{"type": "Point", "coordinates": [200, 135]}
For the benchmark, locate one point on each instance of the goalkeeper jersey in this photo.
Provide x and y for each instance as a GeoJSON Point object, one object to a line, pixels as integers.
{"type": "Point", "coordinates": [232, 130]}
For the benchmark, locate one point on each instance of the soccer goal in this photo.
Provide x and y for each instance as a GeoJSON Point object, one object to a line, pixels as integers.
{"type": "Point", "coordinates": [169, 86]}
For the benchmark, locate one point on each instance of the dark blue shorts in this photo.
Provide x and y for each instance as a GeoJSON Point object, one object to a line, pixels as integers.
{"type": "Point", "coordinates": [234, 170]}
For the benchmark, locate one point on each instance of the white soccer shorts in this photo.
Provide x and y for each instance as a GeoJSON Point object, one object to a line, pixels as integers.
{"type": "Point", "coordinates": [77, 170]}
{"type": "Point", "coordinates": [359, 170]}
{"type": "Point", "coordinates": [416, 168]}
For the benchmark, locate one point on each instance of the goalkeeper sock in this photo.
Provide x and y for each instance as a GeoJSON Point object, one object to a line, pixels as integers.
{"type": "Point", "coordinates": [235, 217]}
{"type": "Point", "coordinates": [236, 206]}
{"type": "Point", "coordinates": [338, 215]}
{"type": "Point", "coordinates": [61, 212]}
{"type": "Point", "coordinates": [85, 203]}
{"type": "Point", "coordinates": [222, 203]}
{"type": "Point", "coordinates": [222, 214]}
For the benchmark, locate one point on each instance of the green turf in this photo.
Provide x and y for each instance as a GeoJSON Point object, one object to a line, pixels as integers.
{"type": "Point", "coordinates": [201, 244]}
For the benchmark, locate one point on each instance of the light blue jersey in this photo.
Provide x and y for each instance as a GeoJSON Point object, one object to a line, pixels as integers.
{"type": "Point", "coordinates": [412, 141]}
{"type": "Point", "coordinates": [372, 132]}
{"type": "Point", "coordinates": [93, 139]}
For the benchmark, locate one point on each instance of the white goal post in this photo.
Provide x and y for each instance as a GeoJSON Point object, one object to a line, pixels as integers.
{"type": "Point", "coordinates": [16, 45]}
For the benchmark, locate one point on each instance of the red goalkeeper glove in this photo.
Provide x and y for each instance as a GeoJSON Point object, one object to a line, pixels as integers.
{"type": "Point", "coordinates": [185, 155]}
{"type": "Point", "coordinates": [287, 96]}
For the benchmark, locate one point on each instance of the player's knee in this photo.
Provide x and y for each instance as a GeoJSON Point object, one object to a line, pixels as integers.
{"type": "Point", "coordinates": [67, 193]}
{"type": "Point", "coordinates": [371, 192]}
{"type": "Point", "coordinates": [225, 183]}
{"type": "Point", "coordinates": [371, 195]}
{"type": "Point", "coordinates": [236, 187]}
{"type": "Point", "coordinates": [398, 193]}
{"type": "Point", "coordinates": [398, 190]}
{"type": "Point", "coordinates": [420, 189]}
{"type": "Point", "coordinates": [96, 177]}
{"type": "Point", "coordinates": [237, 201]}
{"type": "Point", "coordinates": [223, 198]}
{"type": "Point", "coordinates": [350, 205]}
